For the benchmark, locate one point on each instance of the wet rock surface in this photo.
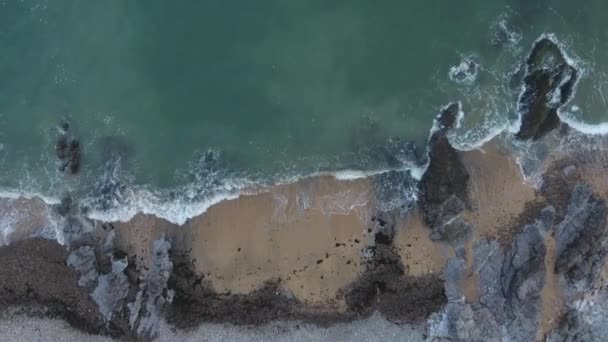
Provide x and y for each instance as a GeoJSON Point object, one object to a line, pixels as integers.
{"type": "Point", "coordinates": [444, 185]}
{"type": "Point", "coordinates": [548, 84]}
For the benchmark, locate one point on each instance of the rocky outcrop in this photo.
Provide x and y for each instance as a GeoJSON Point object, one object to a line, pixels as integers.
{"type": "Point", "coordinates": [444, 185]}
{"type": "Point", "coordinates": [581, 237]}
{"type": "Point", "coordinates": [548, 84]}
{"type": "Point", "coordinates": [153, 291]}
{"type": "Point", "coordinates": [510, 286]}
{"type": "Point", "coordinates": [585, 320]}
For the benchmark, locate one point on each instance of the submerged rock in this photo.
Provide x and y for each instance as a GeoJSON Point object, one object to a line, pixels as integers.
{"type": "Point", "coordinates": [67, 149]}
{"type": "Point", "coordinates": [548, 84]}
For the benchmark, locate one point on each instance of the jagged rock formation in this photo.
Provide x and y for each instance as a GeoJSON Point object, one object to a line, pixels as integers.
{"type": "Point", "coordinates": [510, 283]}
{"type": "Point", "coordinates": [581, 237]}
{"type": "Point", "coordinates": [112, 289]}
{"type": "Point", "coordinates": [548, 84]}
{"type": "Point", "coordinates": [84, 262]}
{"type": "Point", "coordinates": [586, 320]}
{"type": "Point", "coordinates": [153, 290]}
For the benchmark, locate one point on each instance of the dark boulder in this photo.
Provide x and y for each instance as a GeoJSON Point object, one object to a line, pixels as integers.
{"type": "Point", "coordinates": [548, 84]}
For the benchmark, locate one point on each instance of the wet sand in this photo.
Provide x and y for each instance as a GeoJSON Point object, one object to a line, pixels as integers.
{"type": "Point", "coordinates": [309, 234]}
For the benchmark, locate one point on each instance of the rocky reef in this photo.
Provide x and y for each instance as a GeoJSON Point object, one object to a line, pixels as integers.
{"type": "Point", "coordinates": [549, 83]}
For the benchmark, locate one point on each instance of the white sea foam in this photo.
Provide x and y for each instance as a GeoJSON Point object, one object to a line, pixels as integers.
{"type": "Point", "coordinates": [145, 202]}
{"type": "Point", "coordinates": [590, 129]}
{"type": "Point", "coordinates": [465, 72]}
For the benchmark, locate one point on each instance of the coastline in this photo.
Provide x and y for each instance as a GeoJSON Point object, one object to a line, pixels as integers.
{"type": "Point", "coordinates": [239, 245]}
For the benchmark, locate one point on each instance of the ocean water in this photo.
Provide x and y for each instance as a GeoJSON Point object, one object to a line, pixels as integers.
{"type": "Point", "coordinates": [180, 104]}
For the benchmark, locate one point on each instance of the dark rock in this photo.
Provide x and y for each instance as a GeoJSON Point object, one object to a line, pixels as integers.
{"type": "Point", "coordinates": [580, 238]}
{"type": "Point", "coordinates": [68, 150]}
{"type": "Point", "coordinates": [443, 186]}
{"type": "Point", "coordinates": [61, 147]}
{"type": "Point", "coordinates": [384, 230]}
{"type": "Point", "coordinates": [66, 206]}
{"type": "Point", "coordinates": [548, 84]}
{"type": "Point", "coordinates": [73, 159]}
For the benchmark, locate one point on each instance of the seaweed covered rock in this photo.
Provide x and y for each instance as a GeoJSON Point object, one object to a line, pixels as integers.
{"type": "Point", "coordinates": [443, 186]}
{"type": "Point", "coordinates": [548, 84]}
{"type": "Point", "coordinates": [386, 287]}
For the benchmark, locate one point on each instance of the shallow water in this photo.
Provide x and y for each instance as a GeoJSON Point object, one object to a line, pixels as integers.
{"type": "Point", "coordinates": [277, 88]}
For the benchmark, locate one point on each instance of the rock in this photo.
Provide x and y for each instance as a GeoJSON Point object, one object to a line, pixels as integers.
{"type": "Point", "coordinates": [510, 286]}
{"type": "Point", "coordinates": [522, 280]}
{"type": "Point", "coordinates": [154, 289]}
{"type": "Point", "coordinates": [458, 320]}
{"type": "Point", "coordinates": [443, 187]}
{"type": "Point", "coordinates": [581, 237]}
{"type": "Point", "coordinates": [585, 320]}
{"type": "Point", "coordinates": [68, 149]}
{"type": "Point", "coordinates": [73, 158]}
{"type": "Point", "coordinates": [112, 289]}
{"type": "Point", "coordinates": [83, 261]}
{"type": "Point", "coordinates": [488, 261]}
{"type": "Point", "coordinates": [548, 84]}
{"type": "Point", "coordinates": [61, 147]}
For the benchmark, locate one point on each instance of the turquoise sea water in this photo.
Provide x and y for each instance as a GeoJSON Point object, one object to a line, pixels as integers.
{"type": "Point", "coordinates": [275, 87]}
